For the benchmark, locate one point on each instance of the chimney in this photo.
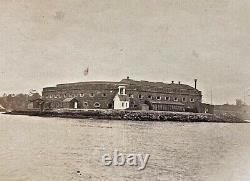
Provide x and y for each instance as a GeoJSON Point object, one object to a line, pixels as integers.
{"type": "Point", "coordinates": [128, 77]}
{"type": "Point", "coordinates": [179, 82]}
{"type": "Point", "coordinates": [172, 81]}
{"type": "Point", "coordinates": [195, 83]}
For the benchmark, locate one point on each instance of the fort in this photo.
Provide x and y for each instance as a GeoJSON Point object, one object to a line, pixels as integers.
{"type": "Point", "coordinates": [126, 94]}
{"type": "Point", "coordinates": [125, 100]}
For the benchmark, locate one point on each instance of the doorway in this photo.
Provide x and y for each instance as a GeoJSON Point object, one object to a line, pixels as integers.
{"type": "Point", "coordinates": [75, 105]}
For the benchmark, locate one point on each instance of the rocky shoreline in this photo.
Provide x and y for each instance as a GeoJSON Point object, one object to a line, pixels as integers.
{"type": "Point", "coordinates": [133, 115]}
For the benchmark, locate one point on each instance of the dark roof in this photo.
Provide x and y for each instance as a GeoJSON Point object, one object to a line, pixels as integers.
{"type": "Point", "coordinates": [167, 103]}
{"type": "Point", "coordinates": [123, 97]}
{"type": "Point", "coordinates": [88, 83]}
{"type": "Point", "coordinates": [34, 97]}
{"type": "Point", "coordinates": [156, 84]}
{"type": "Point", "coordinates": [35, 100]}
{"type": "Point", "coordinates": [91, 85]}
{"type": "Point", "coordinates": [159, 87]}
{"type": "Point", "coordinates": [69, 99]}
{"type": "Point", "coordinates": [94, 85]}
{"type": "Point", "coordinates": [49, 89]}
{"type": "Point", "coordinates": [129, 83]}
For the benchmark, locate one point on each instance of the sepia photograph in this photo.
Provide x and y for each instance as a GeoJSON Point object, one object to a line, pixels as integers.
{"type": "Point", "coordinates": [120, 90]}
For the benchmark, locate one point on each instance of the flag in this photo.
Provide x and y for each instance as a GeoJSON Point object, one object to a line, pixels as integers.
{"type": "Point", "coordinates": [86, 72]}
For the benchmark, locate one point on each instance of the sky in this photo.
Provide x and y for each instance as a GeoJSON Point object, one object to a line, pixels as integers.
{"type": "Point", "coordinates": [43, 43]}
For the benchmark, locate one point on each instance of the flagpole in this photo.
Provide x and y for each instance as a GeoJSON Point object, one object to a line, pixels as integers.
{"type": "Point", "coordinates": [211, 96]}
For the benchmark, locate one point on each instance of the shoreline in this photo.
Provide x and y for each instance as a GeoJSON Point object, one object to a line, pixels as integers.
{"type": "Point", "coordinates": [131, 115]}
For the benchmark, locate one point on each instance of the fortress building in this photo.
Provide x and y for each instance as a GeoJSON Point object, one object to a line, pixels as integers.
{"type": "Point", "coordinates": [126, 94]}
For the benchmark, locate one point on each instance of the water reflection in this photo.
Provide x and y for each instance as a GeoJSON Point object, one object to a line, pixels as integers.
{"type": "Point", "coordinates": [33, 148]}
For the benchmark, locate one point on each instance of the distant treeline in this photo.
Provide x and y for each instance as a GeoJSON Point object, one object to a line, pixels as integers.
{"type": "Point", "coordinates": [18, 101]}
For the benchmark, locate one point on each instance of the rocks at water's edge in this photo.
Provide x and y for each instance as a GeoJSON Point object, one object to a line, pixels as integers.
{"type": "Point", "coordinates": [134, 115]}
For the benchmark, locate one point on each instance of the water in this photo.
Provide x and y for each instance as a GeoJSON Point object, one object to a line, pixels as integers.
{"type": "Point", "coordinates": [33, 148]}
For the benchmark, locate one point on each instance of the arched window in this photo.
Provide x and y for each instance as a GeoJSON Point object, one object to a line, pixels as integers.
{"type": "Point", "coordinates": [167, 98]}
{"type": "Point", "coordinates": [85, 104]}
{"type": "Point", "coordinates": [158, 97]}
{"type": "Point", "coordinates": [97, 104]}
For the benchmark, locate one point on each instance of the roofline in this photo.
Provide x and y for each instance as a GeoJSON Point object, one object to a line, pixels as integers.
{"type": "Point", "coordinates": [89, 82]}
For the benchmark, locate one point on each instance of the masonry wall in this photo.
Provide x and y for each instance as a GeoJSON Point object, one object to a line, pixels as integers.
{"type": "Point", "coordinates": [93, 95]}
{"type": "Point", "coordinates": [90, 96]}
{"type": "Point", "coordinates": [191, 101]}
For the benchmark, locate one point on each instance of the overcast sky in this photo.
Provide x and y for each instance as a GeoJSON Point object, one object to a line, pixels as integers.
{"type": "Point", "coordinates": [45, 42]}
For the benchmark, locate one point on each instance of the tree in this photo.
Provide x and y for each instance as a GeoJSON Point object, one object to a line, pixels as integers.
{"type": "Point", "coordinates": [239, 102]}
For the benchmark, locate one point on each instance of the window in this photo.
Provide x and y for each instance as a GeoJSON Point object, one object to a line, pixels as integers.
{"type": "Point", "coordinates": [140, 96]}
{"type": "Point", "coordinates": [135, 106]}
{"type": "Point", "coordinates": [167, 98]}
{"type": "Point", "coordinates": [122, 104]}
{"type": "Point", "coordinates": [176, 99]}
{"type": "Point", "coordinates": [158, 97]}
{"type": "Point", "coordinates": [149, 96]}
{"type": "Point", "coordinates": [104, 95]}
{"type": "Point", "coordinates": [85, 104]}
{"type": "Point", "coordinates": [131, 95]}
{"type": "Point", "coordinates": [81, 95]}
{"type": "Point", "coordinates": [91, 95]}
{"type": "Point", "coordinates": [97, 104]}
{"type": "Point", "coordinates": [183, 99]}
{"type": "Point", "coordinates": [65, 95]}
{"type": "Point", "coordinates": [191, 100]}
{"type": "Point", "coordinates": [126, 104]}
{"type": "Point", "coordinates": [122, 90]}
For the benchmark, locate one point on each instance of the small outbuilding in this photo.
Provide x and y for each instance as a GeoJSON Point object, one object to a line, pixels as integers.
{"type": "Point", "coordinates": [121, 102]}
{"type": "Point", "coordinates": [71, 103]}
{"type": "Point", "coordinates": [35, 104]}
{"type": "Point", "coordinates": [206, 108]}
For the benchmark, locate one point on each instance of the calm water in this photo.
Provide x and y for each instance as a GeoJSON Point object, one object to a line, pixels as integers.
{"type": "Point", "coordinates": [33, 148]}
